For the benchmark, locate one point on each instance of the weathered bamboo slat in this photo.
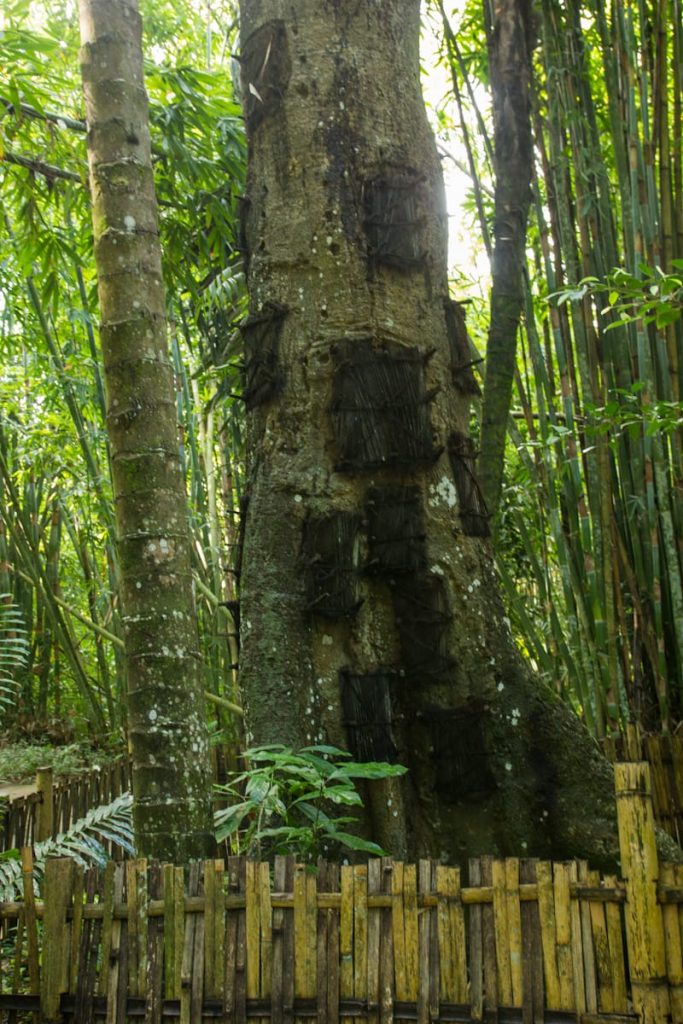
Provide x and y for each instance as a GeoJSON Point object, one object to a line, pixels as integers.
{"type": "Point", "coordinates": [577, 954]}
{"type": "Point", "coordinates": [451, 936]}
{"type": "Point", "coordinates": [502, 933]}
{"type": "Point", "coordinates": [532, 954]}
{"type": "Point", "coordinates": [211, 911]}
{"type": "Point", "coordinates": [476, 950]}
{"type": "Point", "coordinates": [54, 974]}
{"type": "Point", "coordinates": [29, 921]}
{"type": "Point", "coordinates": [674, 950]}
{"type": "Point", "coordinates": [155, 966]}
{"type": "Point", "coordinates": [601, 951]}
{"type": "Point", "coordinates": [305, 938]}
{"type": "Point", "coordinates": [240, 949]}
{"type": "Point", "coordinates": [373, 944]}
{"type": "Point", "coordinates": [546, 906]}
{"type": "Point", "coordinates": [616, 953]}
{"type": "Point", "coordinates": [563, 935]}
{"type": "Point", "coordinates": [360, 933]}
{"type": "Point", "coordinates": [277, 977]}
{"type": "Point", "coordinates": [193, 957]}
{"type": "Point", "coordinates": [115, 954]}
{"type": "Point", "coordinates": [643, 917]}
{"type": "Point", "coordinates": [514, 918]}
{"type": "Point", "coordinates": [492, 994]}
{"type": "Point", "coordinates": [423, 939]}
{"type": "Point", "coordinates": [386, 970]}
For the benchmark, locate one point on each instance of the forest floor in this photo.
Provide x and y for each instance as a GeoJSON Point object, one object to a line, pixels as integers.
{"type": "Point", "coordinates": [14, 789]}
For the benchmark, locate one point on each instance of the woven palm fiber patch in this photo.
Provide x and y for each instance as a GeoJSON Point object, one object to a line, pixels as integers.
{"type": "Point", "coordinates": [392, 204]}
{"type": "Point", "coordinates": [461, 762]}
{"type": "Point", "coordinates": [330, 561]}
{"type": "Point", "coordinates": [423, 617]}
{"type": "Point", "coordinates": [462, 358]}
{"type": "Point", "coordinates": [380, 406]}
{"type": "Point", "coordinates": [263, 378]}
{"type": "Point", "coordinates": [367, 710]}
{"type": "Point", "coordinates": [473, 514]}
{"type": "Point", "coordinates": [396, 531]}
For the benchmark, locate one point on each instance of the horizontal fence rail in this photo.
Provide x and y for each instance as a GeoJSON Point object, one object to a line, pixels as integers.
{"type": "Point", "coordinates": [508, 940]}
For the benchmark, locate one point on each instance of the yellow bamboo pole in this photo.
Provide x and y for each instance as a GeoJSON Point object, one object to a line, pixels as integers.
{"type": "Point", "coordinates": [643, 914]}
{"type": "Point", "coordinates": [45, 815]}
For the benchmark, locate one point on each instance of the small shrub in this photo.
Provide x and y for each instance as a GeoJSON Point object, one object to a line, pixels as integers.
{"type": "Point", "coordinates": [285, 802]}
{"type": "Point", "coordinates": [19, 761]}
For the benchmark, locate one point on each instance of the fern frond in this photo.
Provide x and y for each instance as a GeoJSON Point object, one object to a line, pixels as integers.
{"type": "Point", "coordinates": [82, 842]}
{"type": "Point", "coordinates": [13, 647]}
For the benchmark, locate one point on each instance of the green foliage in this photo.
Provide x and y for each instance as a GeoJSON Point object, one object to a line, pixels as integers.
{"type": "Point", "coordinates": [286, 801]}
{"type": "Point", "coordinates": [57, 537]}
{"type": "Point", "coordinates": [649, 297]}
{"type": "Point", "coordinates": [83, 842]}
{"type": "Point", "coordinates": [587, 534]}
{"type": "Point", "coordinates": [19, 761]}
{"type": "Point", "coordinates": [13, 649]}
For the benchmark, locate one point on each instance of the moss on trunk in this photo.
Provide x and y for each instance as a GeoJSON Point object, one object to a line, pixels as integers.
{"type": "Point", "coordinates": [166, 719]}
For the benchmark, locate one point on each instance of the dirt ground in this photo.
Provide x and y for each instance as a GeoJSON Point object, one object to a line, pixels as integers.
{"type": "Point", "coordinates": [15, 790]}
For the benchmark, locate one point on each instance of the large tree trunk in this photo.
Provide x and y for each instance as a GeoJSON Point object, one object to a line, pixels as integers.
{"type": "Point", "coordinates": [371, 615]}
{"type": "Point", "coordinates": [166, 719]}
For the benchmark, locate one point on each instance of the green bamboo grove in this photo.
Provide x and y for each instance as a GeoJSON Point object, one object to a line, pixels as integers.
{"type": "Point", "coordinates": [596, 419]}
{"type": "Point", "coordinates": [58, 559]}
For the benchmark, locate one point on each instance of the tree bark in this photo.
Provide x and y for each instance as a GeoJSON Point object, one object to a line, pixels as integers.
{"type": "Point", "coordinates": [371, 615]}
{"type": "Point", "coordinates": [166, 719]}
{"type": "Point", "coordinates": [510, 33]}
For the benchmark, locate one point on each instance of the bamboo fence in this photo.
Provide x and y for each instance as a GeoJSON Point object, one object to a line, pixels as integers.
{"type": "Point", "coordinates": [522, 940]}
{"type": "Point", "coordinates": [665, 757]}
{"type": "Point", "coordinates": [57, 804]}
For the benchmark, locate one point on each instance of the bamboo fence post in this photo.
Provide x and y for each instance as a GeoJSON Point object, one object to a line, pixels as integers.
{"type": "Point", "coordinates": [643, 914]}
{"type": "Point", "coordinates": [54, 975]}
{"type": "Point", "coordinates": [45, 807]}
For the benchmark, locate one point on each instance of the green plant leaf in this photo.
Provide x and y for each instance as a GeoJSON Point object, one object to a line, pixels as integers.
{"type": "Point", "coordinates": [356, 843]}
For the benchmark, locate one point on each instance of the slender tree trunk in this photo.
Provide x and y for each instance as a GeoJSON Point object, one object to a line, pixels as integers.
{"type": "Point", "coordinates": [167, 724]}
{"type": "Point", "coordinates": [371, 615]}
{"type": "Point", "coordinates": [510, 42]}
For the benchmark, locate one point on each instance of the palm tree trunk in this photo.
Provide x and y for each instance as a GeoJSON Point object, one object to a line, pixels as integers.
{"type": "Point", "coordinates": [167, 724]}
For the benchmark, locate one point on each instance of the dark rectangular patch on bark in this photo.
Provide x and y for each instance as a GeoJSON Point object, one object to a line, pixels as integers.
{"type": "Point", "coordinates": [423, 618]}
{"type": "Point", "coordinates": [330, 562]}
{"type": "Point", "coordinates": [461, 764]}
{"type": "Point", "coordinates": [393, 221]}
{"type": "Point", "coordinates": [266, 68]}
{"type": "Point", "coordinates": [396, 531]}
{"type": "Point", "coordinates": [380, 406]}
{"type": "Point", "coordinates": [473, 515]}
{"type": "Point", "coordinates": [461, 356]}
{"type": "Point", "coordinates": [262, 371]}
{"type": "Point", "coordinates": [366, 706]}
